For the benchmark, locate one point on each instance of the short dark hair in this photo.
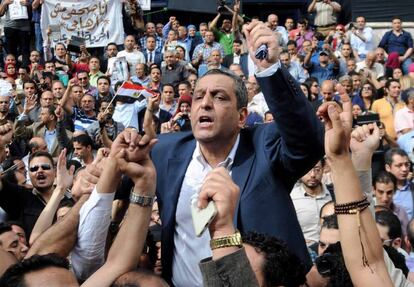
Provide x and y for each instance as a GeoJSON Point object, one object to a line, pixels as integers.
{"type": "Point", "coordinates": [239, 86]}
{"type": "Point", "coordinates": [395, 17]}
{"type": "Point", "coordinates": [14, 276]}
{"type": "Point", "coordinates": [292, 42]}
{"type": "Point", "coordinates": [330, 222]}
{"type": "Point", "coordinates": [185, 82]}
{"type": "Point", "coordinates": [388, 83]}
{"type": "Point", "coordinates": [238, 41]}
{"type": "Point", "coordinates": [389, 154]}
{"type": "Point", "coordinates": [111, 44]}
{"type": "Point", "coordinates": [104, 77]}
{"type": "Point", "coordinates": [5, 227]}
{"type": "Point", "coordinates": [281, 266]}
{"type": "Point", "coordinates": [168, 85]}
{"type": "Point", "coordinates": [384, 177]}
{"type": "Point", "coordinates": [388, 219]}
{"type": "Point", "coordinates": [41, 153]}
{"type": "Point", "coordinates": [30, 81]}
{"type": "Point", "coordinates": [84, 140]}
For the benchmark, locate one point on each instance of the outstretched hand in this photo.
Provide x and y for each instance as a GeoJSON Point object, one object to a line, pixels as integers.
{"type": "Point", "coordinates": [64, 177]}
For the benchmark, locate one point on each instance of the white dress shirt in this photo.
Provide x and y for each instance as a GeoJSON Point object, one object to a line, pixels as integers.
{"type": "Point", "coordinates": [307, 210]}
{"type": "Point", "coordinates": [88, 255]}
{"type": "Point", "coordinates": [362, 47]}
{"type": "Point", "coordinates": [189, 249]}
{"type": "Point", "coordinates": [133, 58]}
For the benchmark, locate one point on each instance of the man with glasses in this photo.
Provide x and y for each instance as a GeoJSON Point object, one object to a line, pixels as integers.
{"type": "Point", "coordinates": [398, 164]}
{"type": "Point", "coordinates": [83, 79]}
{"type": "Point", "coordinates": [26, 205]}
{"type": "Point", "coordinates": [308, 197]}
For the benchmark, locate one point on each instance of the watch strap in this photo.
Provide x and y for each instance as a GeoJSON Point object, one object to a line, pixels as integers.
{"type": "Point", "coordinates": [226, 241]}
{"type": "Point", "coordinates": [141, 200]}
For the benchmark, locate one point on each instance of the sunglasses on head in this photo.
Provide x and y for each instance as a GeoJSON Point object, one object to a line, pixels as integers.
{"type": "Point", "coordinates": [44, 166]}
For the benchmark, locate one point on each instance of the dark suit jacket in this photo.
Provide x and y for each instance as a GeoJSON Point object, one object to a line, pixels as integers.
{"type": "Point", "coordinates": [228, 60]}
{"type": "Point", "coordinates": [270, 158]}
{"type": "Point", "coordinates": [164, 116]}
{"type": "Point", "coordinates": [157, 57]}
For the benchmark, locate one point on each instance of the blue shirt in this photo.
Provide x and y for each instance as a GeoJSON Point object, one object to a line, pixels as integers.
{"type": "Point", "coordinates": [81, 120]}
{"type": "Point", "coordinates": [404, 198]}
{"type": "Point", "coordinates": [390, 42]}
{"type": "Point", "coordinates": [323, 73]}
{"type": "Point", "coordinates": [50, 137]}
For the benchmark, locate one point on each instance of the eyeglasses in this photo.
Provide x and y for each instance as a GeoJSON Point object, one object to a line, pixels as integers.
{"type": "Point", "coordinates": [339, 30]}
{"type": "Point", "coordinates": [83, 79]}
{"type": "Point", "coordinates": [316, 169]}
{"type": "Point", "coordinates": [366, 88]}
{"type": "Point", "coordinates": [44, 166]}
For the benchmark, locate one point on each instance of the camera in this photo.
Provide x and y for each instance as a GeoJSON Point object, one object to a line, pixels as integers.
{"type": "Point", "coordinates": [351, 25]}
{"type": "Point", "coordinates": [220, 6]}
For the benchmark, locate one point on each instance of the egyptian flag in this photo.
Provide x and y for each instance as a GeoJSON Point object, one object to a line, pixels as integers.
{"type": "Point", "coordinates": [134, 91]}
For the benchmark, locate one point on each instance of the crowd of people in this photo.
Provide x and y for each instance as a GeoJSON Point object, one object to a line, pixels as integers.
{"type": "Point", "coordinates": [306, 153]}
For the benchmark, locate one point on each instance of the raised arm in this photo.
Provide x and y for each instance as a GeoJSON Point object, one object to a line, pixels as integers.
{"type": "Point", "coordinates": [127, 247]}
{"type": "Point", "coordinates": [4, 5]}
{"type": "Point", "coordinates": [213, 24]}
{"type": "Point", "coordinates": [297, 131]}
{"type": "Point", "coordinates": [65, 101]}
{"type": "Point", "coordinates": [311, 7]}
{"type": "Point", "coordinates": [360, 241]}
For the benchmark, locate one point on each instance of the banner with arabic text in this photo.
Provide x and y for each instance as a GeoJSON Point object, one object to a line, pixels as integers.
{"type": "Point", "coordinates": [99, 22]}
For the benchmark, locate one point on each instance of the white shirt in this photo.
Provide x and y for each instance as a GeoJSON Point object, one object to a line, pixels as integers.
{"type": "Point", "coordinates": [258, 105]}
{"type": "Point", "coordinates": [88, 255]}
{"type": "Point", "coordinates": [376, 68]}
{"type": "Point", "coordinates": [133, 58]}
{"type": "Point", "coordinates": [127, 114]}
{"type": "Point", "coordinates": [189, 250]}
{"type": "Point", "coordinates": [236, 59]}
{"type": "Point", "coordinates": [363, 47]}
{"type": "Point", "coordinates": [307, 210]}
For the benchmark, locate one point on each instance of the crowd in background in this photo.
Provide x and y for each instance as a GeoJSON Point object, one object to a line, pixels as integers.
{"type": "Point", "coordinates": [65, 115]}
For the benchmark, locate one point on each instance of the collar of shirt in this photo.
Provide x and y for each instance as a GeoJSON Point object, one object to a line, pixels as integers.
{"type": "Point", "coordinates": [47, 132]}
{"type": "Point", "coordinates": [227, 163]}
{"type": "Point", "coordinates": [324, 193]}
{"type": "Point", "coordinates": [406, 187]}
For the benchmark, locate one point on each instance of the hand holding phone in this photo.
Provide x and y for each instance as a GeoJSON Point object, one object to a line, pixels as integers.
{"type": "Point", "coordinates": [217, 199]}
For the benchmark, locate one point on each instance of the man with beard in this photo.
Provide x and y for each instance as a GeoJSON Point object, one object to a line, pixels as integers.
{"type": "Point", "coordinates": [26, 205]}
{"type": "Point", "coordinates": [308, 197]}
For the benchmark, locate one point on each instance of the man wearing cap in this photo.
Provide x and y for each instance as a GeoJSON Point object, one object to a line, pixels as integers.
{"type": "Point", "coordinates": [324, 70]}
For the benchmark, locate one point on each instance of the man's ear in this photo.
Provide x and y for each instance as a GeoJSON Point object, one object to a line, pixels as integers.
{"type": "Point", "coordinates": [396, 243]}
{"type": "Point", "coordinates": [387, 168]}
{"type": "Point", "coordinates": [243, 117]}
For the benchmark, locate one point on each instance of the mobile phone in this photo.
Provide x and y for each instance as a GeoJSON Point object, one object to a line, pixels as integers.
{"type": "Point", "coordinates": [202, 217]}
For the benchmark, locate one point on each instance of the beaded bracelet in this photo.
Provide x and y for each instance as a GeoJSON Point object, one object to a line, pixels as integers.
{"type": "Point", "coordinates": [355, 207]}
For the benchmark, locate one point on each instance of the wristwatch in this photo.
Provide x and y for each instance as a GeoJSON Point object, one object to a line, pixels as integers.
{"type": "Point", "coordinates": [226, 241]}
{"type": "Point", "coordinates": [141, 200]}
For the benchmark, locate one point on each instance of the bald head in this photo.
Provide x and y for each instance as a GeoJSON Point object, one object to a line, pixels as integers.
{"type": "Point", "coordinates": [327, 90]}
{"type": "Point", "coordinates": [36, 144]}
{"type": "Point", "coordinates": [370, 59]}
{"type": "Point", "coordinates": [272, 21]}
